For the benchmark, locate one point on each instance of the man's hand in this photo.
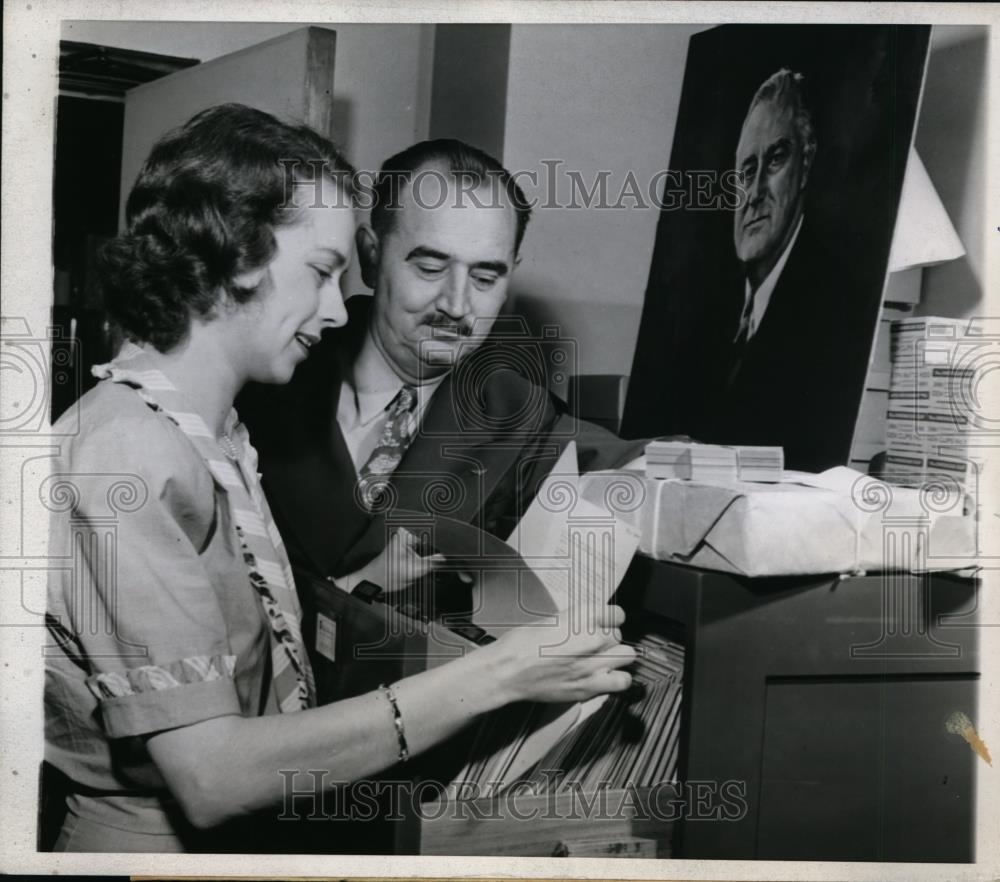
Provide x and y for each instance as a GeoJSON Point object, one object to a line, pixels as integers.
{"type": "Point", "coordinates": [398, 565]}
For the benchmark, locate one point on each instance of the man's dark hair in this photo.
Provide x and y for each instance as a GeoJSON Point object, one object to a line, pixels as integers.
{"type": "Point", "coordinates": [462, 160]}
{"type": "Point", "coordinates": [202, 211]}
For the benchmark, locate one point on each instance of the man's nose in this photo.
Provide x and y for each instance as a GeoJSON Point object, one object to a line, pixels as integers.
{"type": "Point", "coordinates": [453, 298]}
{"type": "Point", "coordinates": [758, 187]}
{"type": "Point", "coordinates": [332, 312]}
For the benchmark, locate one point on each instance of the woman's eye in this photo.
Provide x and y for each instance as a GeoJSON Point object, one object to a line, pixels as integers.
{"type": "Point", "coordinates": [323, 274]}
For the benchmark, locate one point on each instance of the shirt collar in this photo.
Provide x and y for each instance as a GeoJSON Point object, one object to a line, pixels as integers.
{"type": "Point", "coordinates": [375, 384]}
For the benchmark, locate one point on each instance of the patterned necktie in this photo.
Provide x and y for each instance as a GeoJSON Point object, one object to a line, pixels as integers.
{"type": "Point", "coordinates": [264, 556]}
{"type": "Point", "coordinates": [391, 446]}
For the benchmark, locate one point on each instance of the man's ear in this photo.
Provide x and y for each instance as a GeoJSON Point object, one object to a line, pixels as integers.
{"type": "Point", "coordinates": [808, 155]}
{"type": "Point", "coordinates": [367, 244]}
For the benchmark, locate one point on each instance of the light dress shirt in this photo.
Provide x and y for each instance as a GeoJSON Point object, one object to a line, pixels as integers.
{"type": "Point", "coordinates": [361, 411]}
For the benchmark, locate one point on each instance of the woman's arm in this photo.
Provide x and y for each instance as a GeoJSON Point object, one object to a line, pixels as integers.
{"type": "Point", "coordinates": [228, 766]}
{"type": "Point", "coordinates": [161, 666]}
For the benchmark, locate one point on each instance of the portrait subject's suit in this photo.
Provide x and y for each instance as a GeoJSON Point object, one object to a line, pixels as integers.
{"type": "Point", "coordinates": [486, 440]}
{"type": "Point", "coordinates": [796, 370]}
{"type": "Point", "coordinates": [791, 383]}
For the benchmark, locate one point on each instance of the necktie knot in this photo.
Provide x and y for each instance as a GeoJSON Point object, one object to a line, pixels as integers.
{"type": "Point", "coordinates": [404, 401]}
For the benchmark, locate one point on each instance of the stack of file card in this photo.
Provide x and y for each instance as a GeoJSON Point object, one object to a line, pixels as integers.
{"type": "Point", "coordinates": [937, 367]}
{"type": "Point", "coordinates": [713, 462]}
{"type": "Point", "coordinates": [612, 741]}
{"type": "Point", "coordinates": [626, 741]}
{"type": "Point", "coordinates": [761, 464]}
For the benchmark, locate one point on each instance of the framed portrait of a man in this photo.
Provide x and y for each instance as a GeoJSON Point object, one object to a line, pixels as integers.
{"type": "Point", "coordinates": [771, 255]}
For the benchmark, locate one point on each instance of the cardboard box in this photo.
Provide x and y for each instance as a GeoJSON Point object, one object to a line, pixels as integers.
{"type": "Point", "coordinates": [836, 522]}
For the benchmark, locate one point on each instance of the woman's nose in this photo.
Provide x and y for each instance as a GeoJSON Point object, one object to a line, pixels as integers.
{"type": "Point", "coordinates": [332, 312]}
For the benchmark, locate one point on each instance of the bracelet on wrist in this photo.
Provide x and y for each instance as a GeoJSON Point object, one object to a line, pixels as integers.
{"type": "Point", "coordinates": [397, 720]}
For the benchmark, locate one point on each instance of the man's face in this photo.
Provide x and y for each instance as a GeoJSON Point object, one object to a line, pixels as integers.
{"type": "Point", "coordinates": [441, 275]}
{"type": "Point", "coordinates": [775, 170]}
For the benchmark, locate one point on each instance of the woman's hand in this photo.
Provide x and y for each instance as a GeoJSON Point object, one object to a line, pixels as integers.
{"type": "Point", "coordinates": [398, 565]}
{"type": "Point", "coordinates": [545, 664]}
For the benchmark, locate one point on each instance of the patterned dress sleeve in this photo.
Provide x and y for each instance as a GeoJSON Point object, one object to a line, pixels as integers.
{"type": "Point", "coordinates": [139, 610]}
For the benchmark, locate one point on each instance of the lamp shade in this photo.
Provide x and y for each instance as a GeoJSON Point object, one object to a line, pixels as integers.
{"type": "Point", "coordinates": [924, 234]}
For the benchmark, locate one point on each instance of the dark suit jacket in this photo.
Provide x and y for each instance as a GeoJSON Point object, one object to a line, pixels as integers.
{"type": "Point", "coordinates": [800, 380]}
{"type": "Point", "coordinates": [487, 439]}
{"type": "Point", "coordinates": [801, 376]}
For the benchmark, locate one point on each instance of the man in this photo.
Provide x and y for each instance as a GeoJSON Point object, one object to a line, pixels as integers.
{"type": "Point", "coordinates": [774, 157]}
{"type": "Point", "coordinates": [412, 407]}
{"type": "Point", "coordinates": [782, 350]}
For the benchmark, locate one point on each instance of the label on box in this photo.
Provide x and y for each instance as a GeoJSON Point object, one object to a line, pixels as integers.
{"type": "Point", "coordinates": [326, 636]}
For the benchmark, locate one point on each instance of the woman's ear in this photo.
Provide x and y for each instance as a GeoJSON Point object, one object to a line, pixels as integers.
{"type": "Point", "coordinates": [250, 279]}
{"type": "Point", "coordinates": [367, 244]}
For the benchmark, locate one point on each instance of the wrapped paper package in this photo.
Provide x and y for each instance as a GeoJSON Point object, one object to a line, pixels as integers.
{"type": "Point", "coordinates": [839, 521]}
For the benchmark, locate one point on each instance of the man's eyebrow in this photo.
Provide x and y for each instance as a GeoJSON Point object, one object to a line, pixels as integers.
{"type": "Point", "coordinates": [337, 258]}
{"type": "Point", "coordinates": [424, 251]}
{"type": "Point", "coordinates": [496, 266]}
{"type": "Point", "coordinates": [500, 267]}
{"type": "Point", "coordinates": [780, 144]}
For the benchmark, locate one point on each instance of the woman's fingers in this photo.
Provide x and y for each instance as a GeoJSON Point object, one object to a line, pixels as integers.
{"type": "Point", "coordinates": [613, 681]}
{"type": "Point", "coordinates": [614, 616]}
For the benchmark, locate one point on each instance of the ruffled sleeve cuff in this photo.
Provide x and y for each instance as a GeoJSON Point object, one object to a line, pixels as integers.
{"type": "Point", "coordinates": [151, 698]}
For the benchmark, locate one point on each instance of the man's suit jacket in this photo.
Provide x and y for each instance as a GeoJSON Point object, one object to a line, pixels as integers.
{"type": "Point", "coordinates": [486, 440]}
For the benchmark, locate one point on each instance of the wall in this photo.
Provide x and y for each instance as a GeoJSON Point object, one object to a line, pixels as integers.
{"type": "Point", "coordinates": [594, 98]}
{"type": "Point", "coordinates": [469, 94]}
{"type": "Point", "coordinates": [951, 140]}
{"type": "Point", "coordinates": [382, 76]}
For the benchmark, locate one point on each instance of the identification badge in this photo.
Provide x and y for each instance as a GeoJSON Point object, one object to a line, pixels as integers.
{"type": "Point", "coordinates": [326, 636]}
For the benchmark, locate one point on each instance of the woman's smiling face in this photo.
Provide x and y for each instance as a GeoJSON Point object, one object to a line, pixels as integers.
{"type": "Point", "coordinates": [299, 292]}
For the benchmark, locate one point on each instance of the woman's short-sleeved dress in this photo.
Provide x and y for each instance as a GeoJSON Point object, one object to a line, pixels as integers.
{"type": "Point", "coordinates": [152, 622]}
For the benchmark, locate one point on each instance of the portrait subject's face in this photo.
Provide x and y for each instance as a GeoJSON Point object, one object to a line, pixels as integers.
{"type": "Point", "coordinates": [775, 169]}
{"type": "Point", "coordinates": [443, 270]}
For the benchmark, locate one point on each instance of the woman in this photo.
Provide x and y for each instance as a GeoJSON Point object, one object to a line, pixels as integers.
{"type": "Point", "coordinates": [178, 687]}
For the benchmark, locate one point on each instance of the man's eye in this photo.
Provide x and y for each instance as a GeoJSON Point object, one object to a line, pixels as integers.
{"type": "Point", "coordinates": [485, 281]}
{"type": "Point", "coordinates": [777, 159]}
{"type": "Point", "coordinates": [430, 269]}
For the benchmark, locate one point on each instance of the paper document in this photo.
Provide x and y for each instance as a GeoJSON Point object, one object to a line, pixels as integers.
{"type": "Point", "coordinates": [578, 548]}
{"type": "Point", "coordinates": [579, 551]}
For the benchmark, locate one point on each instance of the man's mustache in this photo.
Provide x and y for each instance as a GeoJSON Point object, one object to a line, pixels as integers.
{"type": "Point", "coordinates": [462, 328]}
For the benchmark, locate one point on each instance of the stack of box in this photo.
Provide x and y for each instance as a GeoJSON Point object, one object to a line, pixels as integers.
{"type": "Point", "coordinates": [931, 404]}
{"type": "Point", "coordinates": [690, 461]}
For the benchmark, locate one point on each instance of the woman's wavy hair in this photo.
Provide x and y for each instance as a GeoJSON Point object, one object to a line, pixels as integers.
{"type": "Point", "coordinates": [202, 211]}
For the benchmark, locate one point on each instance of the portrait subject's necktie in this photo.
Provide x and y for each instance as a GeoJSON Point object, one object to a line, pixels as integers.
{"type": "Point", "coordinates": [740, 341]}
{"type": "Point", "coordinates": [263, 552]}
{"type": "Point", "coordinates": [391, 446]}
